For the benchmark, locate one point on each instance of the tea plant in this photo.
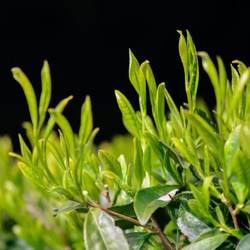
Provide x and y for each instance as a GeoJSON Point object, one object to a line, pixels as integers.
{"type": "Point", "coordinates": [187, 186]}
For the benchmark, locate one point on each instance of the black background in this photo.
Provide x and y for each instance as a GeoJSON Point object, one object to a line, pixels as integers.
{"type": "Point", "coordinates": [87, 42]}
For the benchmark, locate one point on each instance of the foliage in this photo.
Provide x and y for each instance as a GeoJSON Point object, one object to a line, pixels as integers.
{"type": "Point", "coordinates": [187, 184]}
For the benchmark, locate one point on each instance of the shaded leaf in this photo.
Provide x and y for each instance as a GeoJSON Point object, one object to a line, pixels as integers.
{"type": "Point", "coordinates": [100, 232]}
{"type": "Point", "coordinates": [137, 239]}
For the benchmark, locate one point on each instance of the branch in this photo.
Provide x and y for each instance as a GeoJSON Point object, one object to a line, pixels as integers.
{"type": "Point", "coordinates": [161, 234]}
{"type": "Point", "coordinates": [231, 210]}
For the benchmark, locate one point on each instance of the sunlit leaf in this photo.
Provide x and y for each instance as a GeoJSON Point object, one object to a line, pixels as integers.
{"type": "Point", "coordinates": [29, 92]}
{"type": "Point", "coordinates": [134, 68]}
{"type": "Point", "coordinates": [148, 200]}
{"type": "Point", "coordinates": [45, 94]}
{"type": "Point", "coordinates": [129, 116]}
{"type": "Point", "coordinates": [100, 232]}
{"type": "Point", "coordinates": [86, 125]}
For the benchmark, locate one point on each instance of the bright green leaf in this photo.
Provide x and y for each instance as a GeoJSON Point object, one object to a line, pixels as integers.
{"type": "Point", "coordinates": [46, 93]}
{"type": "Point", "coordinates": [129, 116]}
{"type": "Point", "coordinates": [29, 92]}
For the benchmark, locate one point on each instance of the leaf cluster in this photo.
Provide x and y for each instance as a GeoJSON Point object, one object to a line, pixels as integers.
{"type": "Point", "coordinates": [187, 184]}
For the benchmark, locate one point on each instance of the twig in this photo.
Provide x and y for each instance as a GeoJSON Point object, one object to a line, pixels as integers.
{"type": "Point", "coordinates": [124, 217]}
{"type": "Point", "coordinates": [235, 221]}
{"type": "Point", "coordinates": [161, 234]}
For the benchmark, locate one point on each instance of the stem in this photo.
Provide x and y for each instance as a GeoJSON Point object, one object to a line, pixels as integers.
{"type": "Point", "coordinates": [124, 217]}
{"type": "Point", "coordinates": [161, 234]}
{"type": "Point", "coordinates": [235, 221]}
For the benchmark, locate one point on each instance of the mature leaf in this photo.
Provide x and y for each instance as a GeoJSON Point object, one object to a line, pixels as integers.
{"type": "Point", "coordinates": [29, 92]}
{"type": "Point", "coordinates": [244, 243]}
{"type": "Point", "coordinates": [129, 116]}
{"type": "Point", "coordinates": [208, 243]}
{"type": "Point", "coordinates": [46, 93]}
{"type": "Point", "coordinates": [137, 239]}
{"type": "Point", "coordinates": [190, 225]}
{"type": "Point", "coordinates": [148, 200]}
{"type": "Point", "coordinates": [100, 232]}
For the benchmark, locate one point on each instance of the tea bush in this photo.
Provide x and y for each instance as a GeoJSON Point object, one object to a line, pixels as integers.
{"type": "Point", "coordinates": [186, 185]}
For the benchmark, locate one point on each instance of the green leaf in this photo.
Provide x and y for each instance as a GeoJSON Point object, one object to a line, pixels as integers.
{"type": "Point", "coordinates": [155, 145]}
{"type": "Point", "coordinates": [46, 93]}
{"type": "Point", "coordinates": [241, 167]}
{"type": "Point", "coordinates": [86, 121]}
{"type": "Point", "coordinates": [244, 139]}
{"type": "Point", "coordinates": [100, 232]}
{"type": "Point", "coordinates": [244, 243]}
{"type": "Point", "coordinates": [90, 186]}
{"type": "Point", "coordinates": [24, 149]}
{"type": "Point", "coordinates": [137, 239]}
{"type": "Point", "coordinates": [190, 225]}
{"type": "Point", "coordinates": [110, 162]}
{"type": "Point", "coordinates": [183, 54]}
{"type": "Point", "coordinates": [134, 68]}
{"type": "Point", "coordinates": [70, 205]}
{"type": "Point", "coordinates": [51, 123]}
{"type": "Point", "coordinates": [230, 148]}
{"type": "Point", "coordinates": [129, 116]}
{"type": "Point", "coordinates": [174, 112]}
{"type": "Point", "coordinates": [205, 131]}
{"type": "Point", "coordinates": [206, 162]}
{"type": "Point", "coordinates": [63, 192]}
{"type": "Point", "coordinates": [149, 199]}
{"type": "Point", "coordinates": [138, 164]}
{"type": "Point", "coordinates": [209, 243]}
{"type": "Point", "coordinates": [65, 126]}
{"type": "Point", "coordinates": [29, 92]}
{"type": "Point", "coordinates": [30, 174]}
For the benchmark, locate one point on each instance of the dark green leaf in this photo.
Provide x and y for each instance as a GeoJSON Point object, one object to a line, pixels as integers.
{"type": "Point", "coordinates": [190, 225]}
{"type": "Point", "coordinates": [100, 232]}
{"type": "Point", "coordinates": [137, 239]}
{"type": "Point", "coordinates": [149, 199]}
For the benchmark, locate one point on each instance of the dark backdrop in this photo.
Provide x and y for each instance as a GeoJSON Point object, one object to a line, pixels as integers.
{"type": "Point", "coordinates": [87, 42]}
